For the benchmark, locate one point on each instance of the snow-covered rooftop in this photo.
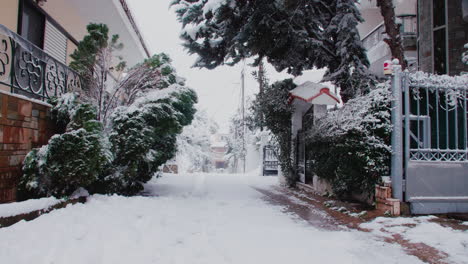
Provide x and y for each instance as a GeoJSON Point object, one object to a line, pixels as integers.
{"type": "Point", "coordinates": [314, 93]}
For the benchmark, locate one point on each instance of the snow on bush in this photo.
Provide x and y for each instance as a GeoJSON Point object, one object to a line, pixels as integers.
{"type": "Point", "coordinates": [193, 144]}
{"type": "Point", "coordinates": [143, 137]}
{"type": "Point", "coordinates": [350, 146]}
{"type": "Point", "coordinates": [70, 160]}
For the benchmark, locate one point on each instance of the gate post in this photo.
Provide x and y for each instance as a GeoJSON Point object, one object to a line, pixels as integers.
{"type": "Point", "coordinates": [397, 134]}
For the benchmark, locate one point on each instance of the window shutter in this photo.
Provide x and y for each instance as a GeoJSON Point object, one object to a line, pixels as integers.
{"type": "Point", "coordinates": [55, 43]}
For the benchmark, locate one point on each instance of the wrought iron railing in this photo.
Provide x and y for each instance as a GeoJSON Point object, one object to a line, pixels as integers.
{"type": "Point", "coordinates": [29, 71]}
{"type": "Point", "coordinates": [436, 117]}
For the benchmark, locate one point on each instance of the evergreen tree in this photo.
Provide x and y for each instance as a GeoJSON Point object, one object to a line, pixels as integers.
{"type": "Point", "coordinates": [277, 112]}
{"type": "Point", "coordinates": [94, 60]}
{"type": "Point", "coordinates": [349, 69]}
{"type": "Point", "coordinates": [144, 136]}
{"type": "Point", "coordinates": [295, 35]}
{"type": "Point", "coordinates": [73, 159]}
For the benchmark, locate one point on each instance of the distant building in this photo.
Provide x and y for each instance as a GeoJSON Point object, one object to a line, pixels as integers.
{"type": "Point", "coordinates": [219, 149]}
{"type": "Point", "coordinates": [36, 41]}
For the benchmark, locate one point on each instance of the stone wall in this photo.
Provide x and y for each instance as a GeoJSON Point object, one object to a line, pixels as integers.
{"type": "Point", "coordinates": [24, 124]}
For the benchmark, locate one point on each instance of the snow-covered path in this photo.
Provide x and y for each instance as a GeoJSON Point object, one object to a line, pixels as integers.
{"type": "Point", "coordinates": [193, 219]}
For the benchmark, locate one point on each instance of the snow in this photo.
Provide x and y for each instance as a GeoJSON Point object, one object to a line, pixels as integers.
{"type": "Point", "coordinates": [13, 209]}
{"type": "Point", "coordinates": [198, 218]}
{"type": "Point", "coordinates": [422, 230]}
{"type": "Point", "coordinates": [424, 79]}
{"type": "Point", "coordinates": [311, 92]}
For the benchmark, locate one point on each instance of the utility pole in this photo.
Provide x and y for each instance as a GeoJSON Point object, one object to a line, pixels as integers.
{"type": "Point", "coordinates": [243, 117]}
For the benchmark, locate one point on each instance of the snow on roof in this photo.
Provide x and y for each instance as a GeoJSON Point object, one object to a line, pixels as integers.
{"type": "Point", "coordinates": [314, 93]}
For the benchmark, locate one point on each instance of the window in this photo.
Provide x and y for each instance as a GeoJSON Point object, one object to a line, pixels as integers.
{"type": "Point", "coordinates": [439, 26]}
{"type": "Point", "coordinates": [32, 24]}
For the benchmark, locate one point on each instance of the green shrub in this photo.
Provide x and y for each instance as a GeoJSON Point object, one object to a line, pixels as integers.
{"type": "Point", "coordinates": [350, 147]}
{"type": "Point", "coordinates": [143, 137]}
{"type": "Point", "coordinates": [70, 160]}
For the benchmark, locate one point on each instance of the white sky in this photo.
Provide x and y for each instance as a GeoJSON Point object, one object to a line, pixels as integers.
{"type": "Point", "coordinates": [218, 90]}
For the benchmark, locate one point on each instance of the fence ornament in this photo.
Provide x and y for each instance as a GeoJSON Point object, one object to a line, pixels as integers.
{"type": "Point", "coordinates": [30, 71]}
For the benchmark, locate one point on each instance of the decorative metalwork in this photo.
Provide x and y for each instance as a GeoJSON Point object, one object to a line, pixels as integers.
{"type": "Point", "coordinates": [73, 81]}
{"type": "Point", "coordinates": [436, 110]}
{"type": "Point", "coordinates": [5, 58]}
{"type": "Point", "coordinates": [55, 78]}
{"type": "Point", "coordinates": [30, 71]}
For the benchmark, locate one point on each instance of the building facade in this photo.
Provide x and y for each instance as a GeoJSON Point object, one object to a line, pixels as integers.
{"type": "Point", "coordinates": [433, 33]}
{"type": "Point", "coordinates": [36, 40]}
{"type": "Point", "coordinates": [443, 31]}
{"type": "Point", "coordinates": [372, 32]}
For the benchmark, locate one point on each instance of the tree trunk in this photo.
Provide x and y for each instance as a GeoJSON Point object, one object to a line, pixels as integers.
{"type": "Point", "coordinates": [393, 31]}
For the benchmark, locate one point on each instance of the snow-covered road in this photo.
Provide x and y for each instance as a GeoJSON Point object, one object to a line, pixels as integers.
{"type": "Point", "coordinates": [193, 219]}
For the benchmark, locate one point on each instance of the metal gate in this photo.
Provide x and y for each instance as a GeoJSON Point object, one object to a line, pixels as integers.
{"type": "Point", "coordinates": [429, 141]}
{"type": "Point", "coordinates": [300, 156]}
{"type": "Point", "coordinates": [270, 161]}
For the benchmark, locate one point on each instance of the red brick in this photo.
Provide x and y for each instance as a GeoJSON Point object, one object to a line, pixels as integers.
{"type": "Point", "coordinates": [25, 108]}
{"type": "Point", "coordinates": [16, 134]}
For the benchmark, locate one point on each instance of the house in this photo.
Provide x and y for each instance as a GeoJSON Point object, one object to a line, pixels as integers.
{"type": "Point", "coordinates": [310, 101]}
{"type": "Point", "coordinates": [443, 31]}
{"type": "Point", "coordinates": [219, 149]}
{"type": "Point", "coordinates": [372, 32]}
{"type": "Point", "coordinates": [36, 40]}
{"type": "Point", "coordinates": [433, 34]}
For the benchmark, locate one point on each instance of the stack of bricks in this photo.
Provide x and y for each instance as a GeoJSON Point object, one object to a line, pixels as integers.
{"type": "Point", "coordinates": [24, 124]}
{"type": "Point", "coordinates": [384, 200]}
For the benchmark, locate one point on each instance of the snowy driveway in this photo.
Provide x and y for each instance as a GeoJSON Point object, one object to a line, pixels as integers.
{"type": "Point", "coordinates": [193, 219]}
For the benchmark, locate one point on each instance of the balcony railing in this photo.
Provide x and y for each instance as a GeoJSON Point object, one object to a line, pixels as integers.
{"type": "Point", "coordinates": [27, 70]}
{"type": "Point", "coordinates": [408, 28]}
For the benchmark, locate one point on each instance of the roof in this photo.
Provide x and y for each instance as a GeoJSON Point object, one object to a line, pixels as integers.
{"type": "Point", "coordinates": [313, 93]}
{"type": "Point", "coordinates": [134, 26]}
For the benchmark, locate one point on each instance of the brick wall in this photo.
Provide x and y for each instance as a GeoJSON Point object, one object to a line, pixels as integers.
{"type": "Point", "coordinates": [23, 125]}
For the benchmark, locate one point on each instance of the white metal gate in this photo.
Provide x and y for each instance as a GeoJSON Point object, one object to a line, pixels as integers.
{"type": "Point", "coordinates": [430, 153]}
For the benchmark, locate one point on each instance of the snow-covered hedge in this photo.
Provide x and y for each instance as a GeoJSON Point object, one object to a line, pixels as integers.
{"type": "Point", "coordinates": [140, 138]}
{"type": "Point", "coordinates": [144, 136]}
{"type": "Point", "coordinates": [350, 147]}
{"type": "Point", "coordinates": [70, 160]}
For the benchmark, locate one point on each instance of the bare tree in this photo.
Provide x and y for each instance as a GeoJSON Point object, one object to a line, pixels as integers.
{"type": "Point", "coordinates": [394, 42]}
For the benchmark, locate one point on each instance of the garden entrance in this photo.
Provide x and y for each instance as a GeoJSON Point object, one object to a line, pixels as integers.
{"type": "Point", "coordinates": [430, 161]}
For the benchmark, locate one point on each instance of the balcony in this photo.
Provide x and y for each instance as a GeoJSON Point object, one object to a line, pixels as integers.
{"type": "Point", "coordinates": [378, 51]}
{"type": "Point", "coordinates": [27, 70]}
{"type": "Point", "coordinates": [408, 29]}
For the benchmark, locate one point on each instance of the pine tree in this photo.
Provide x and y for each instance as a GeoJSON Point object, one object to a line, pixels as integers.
{"type": "Point", "coordinates": [277, 112]}
{"type": "Point", "coordinates": [295, 35]}
{"type": "Point", "coordinates": [349, 69]}
{"type": "Point", "coordinates": [94, 60]}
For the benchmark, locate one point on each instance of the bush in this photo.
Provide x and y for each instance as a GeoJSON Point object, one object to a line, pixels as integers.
{"type": "Point", "coordinates": [70, 160]}
{"type": "Point", "coordinates": [144, 135]}
{"type": "Point", "coordinates": [350, 147]}
{"type": "Point", "coordinates": [271, 109]}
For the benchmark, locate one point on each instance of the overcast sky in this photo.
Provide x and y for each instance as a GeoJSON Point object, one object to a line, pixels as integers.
{"type": "Point", "coordinates": [218, 90]}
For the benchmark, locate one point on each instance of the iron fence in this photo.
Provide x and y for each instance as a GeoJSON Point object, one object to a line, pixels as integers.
{"type": "Point", "coordinates": [435, 120]}
{"type": "Point", "coordinates": [29, 71]}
